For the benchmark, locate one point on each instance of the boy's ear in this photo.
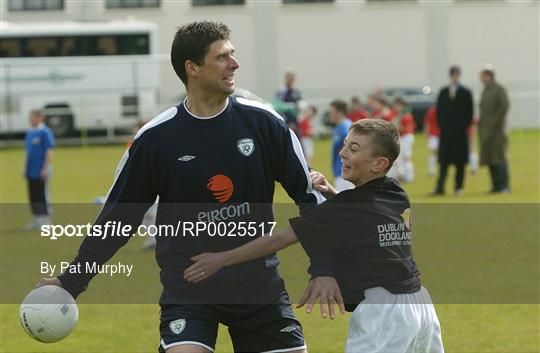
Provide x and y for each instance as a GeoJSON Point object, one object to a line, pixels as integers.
{"type": "Point", "coordinates": [382, 164]}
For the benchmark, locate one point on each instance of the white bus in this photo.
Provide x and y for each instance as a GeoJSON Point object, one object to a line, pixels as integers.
{"type": "Point", "coordinates": [84, 75]}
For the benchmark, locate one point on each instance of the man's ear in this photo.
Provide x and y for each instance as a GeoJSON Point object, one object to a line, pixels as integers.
{"type": "Point", "coordinates": [192, 69]}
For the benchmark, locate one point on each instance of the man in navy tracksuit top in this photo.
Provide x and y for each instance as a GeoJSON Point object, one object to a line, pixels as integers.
{"type": "Point", "coordinates": [213, 158]}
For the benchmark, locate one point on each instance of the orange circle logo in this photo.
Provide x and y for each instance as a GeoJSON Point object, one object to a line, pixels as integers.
{"type": "Point", "coordinates": [221, 186]}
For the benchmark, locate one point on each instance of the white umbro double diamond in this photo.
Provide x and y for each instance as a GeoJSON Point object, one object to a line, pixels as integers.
{"type": "Point", "coordinates": [186, 158]}
{"type": "Point", "coordinates": [288, 329]}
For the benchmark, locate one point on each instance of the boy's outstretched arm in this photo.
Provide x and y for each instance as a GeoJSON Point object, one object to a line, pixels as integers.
{"type": "Point", "coordinates": [206, 264]}
{"type": "Point", "coordinates": [324, 290]}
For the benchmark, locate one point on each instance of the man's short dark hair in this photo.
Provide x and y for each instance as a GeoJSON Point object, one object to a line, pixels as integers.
{"type": "Point", "coordinates": [192, 41]}
{"type": "Point", "coordinates": [339, 105]}
{"type": "Point", "coordinates": [454, 70]}
{"type": "Point", "coordinates": [384, 136]}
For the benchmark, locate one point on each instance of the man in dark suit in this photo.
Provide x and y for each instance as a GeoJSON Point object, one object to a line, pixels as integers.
{"type": "Point", "coordinates": [454, 116]}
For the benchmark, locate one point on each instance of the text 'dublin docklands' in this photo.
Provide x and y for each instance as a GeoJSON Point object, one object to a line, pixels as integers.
{"type": "Point", "coordinates": [181, 229]}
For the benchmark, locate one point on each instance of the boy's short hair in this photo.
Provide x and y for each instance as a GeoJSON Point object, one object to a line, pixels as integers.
{"type": "Point", "coordinates": [384, 137]}
{"type": "Point", "coordinates": [340, 106]}
{"type": "Point", "coordinates": [381, 101]}
{"type": "Point", "coordinates": [191, 42]}
{"type": "Point", "coordinates": [400, 101]}
{"type": "Point", "coordinates": [36, 112]}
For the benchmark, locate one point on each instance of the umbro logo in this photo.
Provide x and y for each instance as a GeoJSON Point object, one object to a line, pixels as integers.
{"type": "Point", "coordinates": [288, 329]}
{"type": "Point", "coordinates": [186, 158]}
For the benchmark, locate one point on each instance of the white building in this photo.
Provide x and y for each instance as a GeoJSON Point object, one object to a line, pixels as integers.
{"type": "Point", "coordinates": [343, 47]}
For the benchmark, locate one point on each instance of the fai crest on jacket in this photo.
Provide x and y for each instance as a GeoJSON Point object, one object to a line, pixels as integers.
{"type": "Point", "coordinates": [246, 146]}
{"type": "Point", "coordinates": [177, 326]}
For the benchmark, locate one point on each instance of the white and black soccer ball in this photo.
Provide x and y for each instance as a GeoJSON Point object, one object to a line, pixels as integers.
{"type": "Point", "coordinates": [48, 314]}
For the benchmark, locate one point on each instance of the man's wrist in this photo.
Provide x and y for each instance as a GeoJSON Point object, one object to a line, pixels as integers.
{"type": "Point", "coordinates": [227, 259]}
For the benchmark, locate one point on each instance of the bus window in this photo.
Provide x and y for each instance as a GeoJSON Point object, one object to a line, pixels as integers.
{"type": "Point", "coordinates": [87, 45]}
{"type": "Point", "coordinates": [10, 48]}
{"type": "Point", "coordinates": [107, 46]}
{"type": "Point", "coordinates": [41, 47]}
{"type": "Point", "coordinates": [134, 44]}
{"type": "Point", "coordinates": [84, 45]}
{"type": "Point", "coordinates": [67, 46]}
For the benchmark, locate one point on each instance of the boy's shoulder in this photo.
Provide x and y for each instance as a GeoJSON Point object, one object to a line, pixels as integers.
{"type": "Point", "coordinates": [379, 190]}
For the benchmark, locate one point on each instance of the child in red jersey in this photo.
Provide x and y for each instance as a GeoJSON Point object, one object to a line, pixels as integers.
{"type": "Point", "coordinates": [357, 111]}
{"type": "Point", "coordinates": [432, 131]}
{"type": "Point", "coordinates": [403, 168]}
{"type": "Point", "coordinates": [306, 132]}
{"type": "Point", "coordinates": [381, 110]}
{"type": "Point", "coordinates": [473, 155]}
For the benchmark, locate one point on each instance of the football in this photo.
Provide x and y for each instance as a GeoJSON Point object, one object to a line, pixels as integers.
{"type": "Point", "coordinates": [48, 314]}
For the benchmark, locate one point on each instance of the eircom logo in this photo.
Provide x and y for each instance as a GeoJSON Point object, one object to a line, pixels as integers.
{"type": "Point", "coordinates": [221, 186]}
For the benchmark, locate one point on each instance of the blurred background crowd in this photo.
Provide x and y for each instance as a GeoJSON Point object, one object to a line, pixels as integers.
{"type": "Point", "coordinates": [447, 119]}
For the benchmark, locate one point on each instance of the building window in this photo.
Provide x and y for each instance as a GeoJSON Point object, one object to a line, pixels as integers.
{"type": "Point", "coordinates": [305, 1]}
{"type": "Point", "coordinates": [123, 4]}
{"type": "Point", "coordinates": [217, 2]}
{"type": "Point", "coordinates": [35, 5]}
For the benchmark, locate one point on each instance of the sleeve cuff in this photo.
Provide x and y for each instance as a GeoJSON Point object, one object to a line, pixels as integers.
{"type": "Point", "coordinates": [73, 283]}
{"type": "Point", "coordinates": [321, 270]}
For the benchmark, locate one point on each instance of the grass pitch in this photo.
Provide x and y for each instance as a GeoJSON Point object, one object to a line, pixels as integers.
{"type": "Point", "coordinates": [478, 254]}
